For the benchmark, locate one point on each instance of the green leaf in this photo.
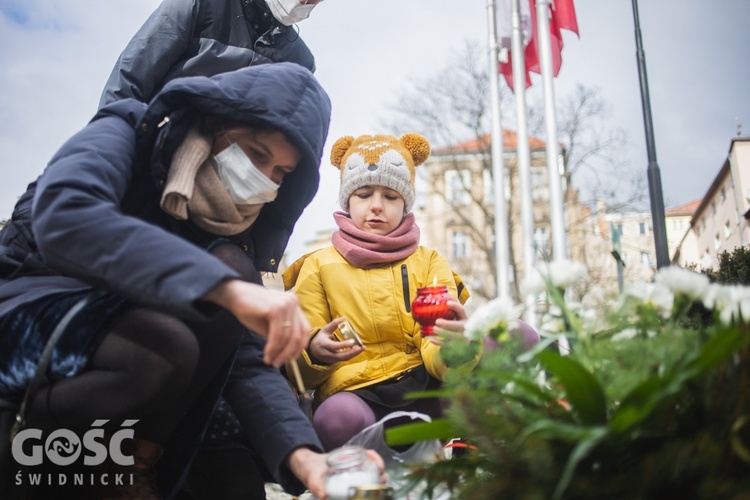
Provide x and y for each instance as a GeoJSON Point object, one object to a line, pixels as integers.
{"type": "Point", "coordinates": [541, 346]}
{"type": "Point", "coordinates": [555, 429]}
{"type": "Point", "coordinates": [716, 349]}
{"type": "Point", "coordinates": [640, 403]}
{"type": "Point", "coordinates": [440, 428]}
{"type": "Point", "coordinates": [651, 394]}
{"type": "Point", "coordinates": [587, 438]}
{"type": "Point", "coordinates": [521, 382]}
{"type": "Point", "coordinates": [581, 451]}
{"type": "Point", "coordinates": [582, 390]}
{"type": "Point", "coordinates": [433, 393]}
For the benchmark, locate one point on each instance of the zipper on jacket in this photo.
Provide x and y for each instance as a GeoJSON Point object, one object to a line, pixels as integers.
{"type": "Point", "coordinates": [405, 282]}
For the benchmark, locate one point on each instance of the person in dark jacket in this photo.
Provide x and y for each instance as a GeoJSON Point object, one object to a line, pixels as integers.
{"type": "Point", "coordinates": [207, 37]}
{"type": "Point", "coordinates": [157, 219]}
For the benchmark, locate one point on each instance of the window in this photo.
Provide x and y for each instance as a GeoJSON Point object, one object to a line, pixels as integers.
{"type": "Point", "coordinates": [713, 208]}
{"type": "Point", "coordinates": [540, 241]}
{"type": "Point", "coordinates": [642, 228]}
{"type": "Point", "coordinates": [489, 187]}
{"type": "Point", "coordinates": [727, 229]}
{"type": "Point", "coordinates": [620, 229]}
{"type": "Point", "coordinates": [459, 245]}
{"type": "Point", "coordinates": [458, 186]}
{"type": "Point", "coordinates": [539, 191]}
{"type": "Point", "coordinates": [645, 258]}
{"type": "Point", "coordinates": [717, 241]}
{"type": "Point", "coordinates": [723, 194]}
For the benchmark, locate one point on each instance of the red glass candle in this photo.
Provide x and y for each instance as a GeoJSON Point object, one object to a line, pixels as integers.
{"type": "Point", "coordinates": [430, 304]}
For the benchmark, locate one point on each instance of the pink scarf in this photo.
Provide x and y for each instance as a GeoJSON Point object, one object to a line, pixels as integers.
{"type": "Point", "coordinates": [367, 250]}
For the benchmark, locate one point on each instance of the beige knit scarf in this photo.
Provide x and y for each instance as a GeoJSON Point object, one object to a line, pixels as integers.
{"type": "Point", "coordinates": [193, 190]}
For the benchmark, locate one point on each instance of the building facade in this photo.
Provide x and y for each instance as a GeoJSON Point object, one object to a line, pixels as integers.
{"type": "Point", "coordinates": [455, 209]}
{"type": "Point", "coordinates": [455, 212]}
{"type": "Point", "coordinates": [720, 222]}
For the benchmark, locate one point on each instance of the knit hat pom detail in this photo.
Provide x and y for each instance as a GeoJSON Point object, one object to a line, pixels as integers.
{"type": "Point", "coordinates": [379, 160]}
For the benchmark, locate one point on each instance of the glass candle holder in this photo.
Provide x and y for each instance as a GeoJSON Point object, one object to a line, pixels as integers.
{"type": "Point", "coordinates": [431, 304]}
{"type": "Point", "coordinates": [349, 467]}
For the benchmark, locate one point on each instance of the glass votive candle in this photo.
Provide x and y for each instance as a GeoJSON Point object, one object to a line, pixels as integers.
{"type": "Point", "coordinates": [431, 304]}
{"type": "Point", "coordinates": [349, 467]}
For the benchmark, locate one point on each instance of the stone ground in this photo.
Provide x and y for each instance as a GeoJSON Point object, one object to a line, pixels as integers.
{"type": "Point", "coordinates": [276, 492]}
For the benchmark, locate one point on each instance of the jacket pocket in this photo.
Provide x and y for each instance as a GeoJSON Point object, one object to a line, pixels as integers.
{"type": "Point", "coordinates": [405, 283]}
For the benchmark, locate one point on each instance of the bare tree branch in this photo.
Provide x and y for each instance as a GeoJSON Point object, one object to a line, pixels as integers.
{"type": "Point", "coordinates": [451, 108]}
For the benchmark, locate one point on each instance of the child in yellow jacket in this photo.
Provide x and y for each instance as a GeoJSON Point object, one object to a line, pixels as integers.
{"type": "Point", "coordinates": [370, 276]}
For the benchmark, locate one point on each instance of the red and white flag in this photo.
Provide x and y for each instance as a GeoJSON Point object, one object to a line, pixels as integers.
{"type": "Point", "coordinates": [562, 16]}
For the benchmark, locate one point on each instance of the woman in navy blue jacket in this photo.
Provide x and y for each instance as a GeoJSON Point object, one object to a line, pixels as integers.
{"type": "Point", "coordinates": [149, 215]}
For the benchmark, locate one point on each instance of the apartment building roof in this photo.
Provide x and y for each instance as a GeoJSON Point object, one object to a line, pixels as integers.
{"type": "Point", "coordinates": [480, 144]}
{"type": "Point", "coordinates": [685, 209]}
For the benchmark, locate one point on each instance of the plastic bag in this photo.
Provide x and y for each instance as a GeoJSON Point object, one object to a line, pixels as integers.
{"type": "Point", "coordinates": [421, 452]}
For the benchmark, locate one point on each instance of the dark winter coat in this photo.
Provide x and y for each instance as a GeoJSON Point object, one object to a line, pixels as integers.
{"type": "Point", "coordinates": [201, 38]}
{"type": "Point", "coordinates": [97, 202]}
{"type": "Point", "coordinates": [93, 217]}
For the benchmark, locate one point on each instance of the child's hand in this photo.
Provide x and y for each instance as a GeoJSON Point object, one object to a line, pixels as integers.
{"type": "Point", "coordinates": [450, 328]}
{"type": "Point", "coordinates": [324, 348]}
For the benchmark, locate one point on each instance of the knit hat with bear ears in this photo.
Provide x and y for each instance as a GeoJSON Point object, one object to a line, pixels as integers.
{"type": "Point", "coordinates": [379, 160]}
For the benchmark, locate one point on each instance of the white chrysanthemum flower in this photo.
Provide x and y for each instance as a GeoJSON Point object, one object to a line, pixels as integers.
{"type": "Point", "coordinates": [533, 284]}
{"type": "Point", "coordinates": [589, 314]}
{"type": "Point", "coordinates": [689, 283]}
{"type": "Point", "coordinates": [657, 295]}
{"type": "Point", "coordinates": [709, 295]}
{"type": "Point", "coordinates": [559, 274]}
{"type": "Point", "coordinates": [625, 334]}
{"type": "Point", "coordinates": [566, 272]}
{"type": "Point", "coordinates": [732, 302]}
{"type": "Point", "coordinates": [499, 313]}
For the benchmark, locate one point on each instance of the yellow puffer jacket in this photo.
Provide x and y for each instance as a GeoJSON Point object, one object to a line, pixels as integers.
{"type": "Point", "coordinates": [377, 302]}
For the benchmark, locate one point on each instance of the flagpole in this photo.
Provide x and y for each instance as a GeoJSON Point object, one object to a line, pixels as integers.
{"type": "Point", "coordinates": [524, 158]}
{"type": "Point", "coordinates": [658, 218]}
{"type": "Point", "coordinates": [502, 249]}
{"type": "Point", "coordinates": [559, 246]}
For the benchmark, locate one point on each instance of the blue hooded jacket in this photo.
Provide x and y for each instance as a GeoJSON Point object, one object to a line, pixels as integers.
{"type": "Point", "coordinates": [93, 217]}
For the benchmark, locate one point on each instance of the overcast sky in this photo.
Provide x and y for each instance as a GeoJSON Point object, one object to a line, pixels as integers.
{"type": "Point", "coordinates": [56, 55]}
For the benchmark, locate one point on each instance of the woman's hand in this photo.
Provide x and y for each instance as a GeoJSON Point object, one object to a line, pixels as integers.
{"type": "Point", "coordinates": [310, 467]}
{"type": "Point", "coordinates": [272, 314]}
{"type": "Point", "coordinates": [449, 328]}
{"type": "Point", "coordinates": [324, 348]}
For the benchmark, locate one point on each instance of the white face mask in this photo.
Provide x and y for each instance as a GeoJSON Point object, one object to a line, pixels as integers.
{"type": "Point", "coordinates": [245, 183]}
{"type": "Point", "coordinates": [288, 12]}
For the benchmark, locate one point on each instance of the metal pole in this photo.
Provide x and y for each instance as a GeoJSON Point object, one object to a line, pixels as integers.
{"type": "Point", "coordinates": [524, 159]}
{"type": "Point", "coordinates": [502, 247]}
{"type": "Point", "coordinates": [559, 248]}
{"type": "Point", "coordinates": [654, 176]}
